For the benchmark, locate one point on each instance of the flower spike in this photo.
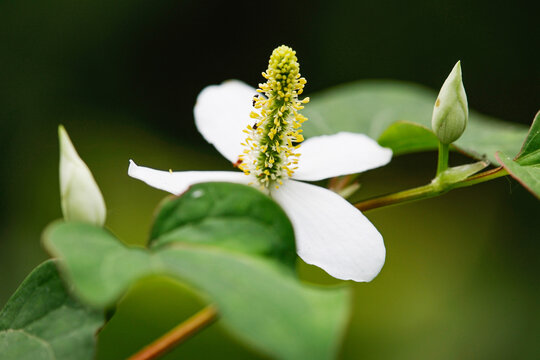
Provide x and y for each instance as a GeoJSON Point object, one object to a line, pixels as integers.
{"type": "Point", "coordinates": [271, 142]}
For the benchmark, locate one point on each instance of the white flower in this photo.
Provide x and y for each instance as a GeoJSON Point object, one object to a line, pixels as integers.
{"type": "Point", "coordinates": [330, 232]}
{"type": "Point", "coordinates": [80, 196]}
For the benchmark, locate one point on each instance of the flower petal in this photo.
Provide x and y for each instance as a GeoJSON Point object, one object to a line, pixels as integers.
{"type": "Point", "coordinates": [339, 154]}
{"type": "Point", "coordinates": [222, 112]}
{"type": "Point", "coordinates": [179, 182]}
{"type": "Point", "coordinates": [331, 233]}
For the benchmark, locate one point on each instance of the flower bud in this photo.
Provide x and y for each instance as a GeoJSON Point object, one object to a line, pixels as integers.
{"type": "Point", "coordinates": [450, 112]}
{"type": "Point", "coordinates": [80, 196]}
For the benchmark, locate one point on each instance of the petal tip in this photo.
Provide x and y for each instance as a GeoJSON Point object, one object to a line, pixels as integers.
{"type": "Point", "coordinates": [132, 167]}
{"type": "Point", "coordinates": [331, 233]}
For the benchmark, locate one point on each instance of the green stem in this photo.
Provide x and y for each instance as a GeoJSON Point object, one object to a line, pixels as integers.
{"type": "Point", "coordinates": [421, 192]}
{"type": "Point", "coordinates": [427, 191]}
{"type": "Point", "coordinates": [442, 164]}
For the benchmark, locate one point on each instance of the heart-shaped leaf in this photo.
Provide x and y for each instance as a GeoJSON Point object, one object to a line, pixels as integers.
{"type": "Point", "coordinates": [231, 216]}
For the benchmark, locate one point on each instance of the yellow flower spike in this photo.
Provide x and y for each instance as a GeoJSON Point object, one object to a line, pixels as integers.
{"type": "Point", "coordinates": [275, 136]}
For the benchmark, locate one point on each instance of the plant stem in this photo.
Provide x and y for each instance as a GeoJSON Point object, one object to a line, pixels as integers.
{"type": "Point", "coordinates": [178, 334]}
{"type": "Point", "coordinates": [442, 164]}
{"type": "Point", "coordinates": [427, 191]}
{"type": "Point", "coordinates": [421, 192]}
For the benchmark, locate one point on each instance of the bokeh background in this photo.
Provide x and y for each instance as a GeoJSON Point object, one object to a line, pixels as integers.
{"type": "Point", "coordinates": [461, 278]}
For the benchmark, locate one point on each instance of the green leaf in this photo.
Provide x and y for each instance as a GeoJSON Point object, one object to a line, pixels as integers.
{"type": "Point", "coordinates": [98, 282]}
{"type": "Point", "coordinates": [259, 299]}
{"type": "Point", "coordinates": [232, 216]}
{"type": "Point", "coordinates": [267, 306]}
{"type": "Point", "coordinates": [528, 176]}
{"type": "Point", "coordinates": [370, 107]}
{"type": "Point", "coordinates": [41, 321]}
{"type": "Point", "coordinates": [525, 167]}
{"type": "Point", "coordinates": [404, 137]}
{"type": "Point", "coordinates": [530, 151]}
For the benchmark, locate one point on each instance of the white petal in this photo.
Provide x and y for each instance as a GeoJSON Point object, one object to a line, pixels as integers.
{"type": "Point", "coordinates": [222, 112]}
{"type": "Point", "coordinates": [179, 182]}
{"type": "Point", "coordinates": [339, 154]}
{"type": "Point", "coordinates": [331, 233]}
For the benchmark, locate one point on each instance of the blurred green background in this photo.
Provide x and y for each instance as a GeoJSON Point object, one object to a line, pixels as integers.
{"type": "Point", "coordinates": [460, 279]}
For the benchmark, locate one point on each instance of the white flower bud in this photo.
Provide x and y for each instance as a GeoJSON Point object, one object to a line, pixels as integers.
{"type": "Point", "coordinates": [79, 193]}
{"type": "Point", "coordinates": [450, 113]}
